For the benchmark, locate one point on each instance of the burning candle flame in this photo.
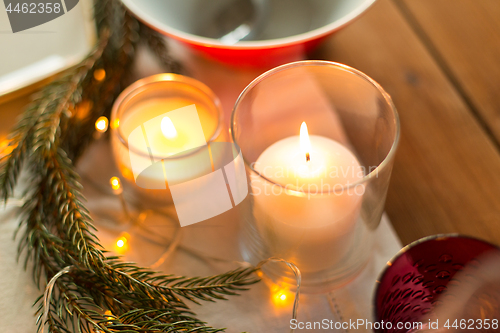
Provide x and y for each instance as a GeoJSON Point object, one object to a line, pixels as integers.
{"type": "Point", "coordinates": [168, 128]}
{"type": "Point", "coordinates": [305, 143]}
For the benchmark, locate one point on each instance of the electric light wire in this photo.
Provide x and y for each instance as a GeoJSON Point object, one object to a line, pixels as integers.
{"type": "Point", "coordinates": [47, 295]}
{"type": "Point", "coordinates": [173, 245]}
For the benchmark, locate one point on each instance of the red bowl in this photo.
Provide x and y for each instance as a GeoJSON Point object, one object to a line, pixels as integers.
{"type": "Point", "coordinates": [283, 40]}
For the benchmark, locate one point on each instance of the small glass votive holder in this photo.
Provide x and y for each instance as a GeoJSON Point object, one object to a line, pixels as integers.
{"type": "Point", "coordinates": [144, 145]}
{"type": "Point", "coordinates": [317, 201]}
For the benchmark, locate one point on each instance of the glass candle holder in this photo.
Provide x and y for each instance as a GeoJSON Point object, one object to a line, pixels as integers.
{"type": "Point", "coordinates": [161, 126]}
{"type": "Point", "coordinates": [437, 280]}
{"type": "Point", "coordinates": [316, 197]}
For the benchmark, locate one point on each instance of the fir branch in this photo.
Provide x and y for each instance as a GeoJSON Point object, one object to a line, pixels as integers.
{"type": "Point", "coordinates": [156, 43]}
{"type": "Point", "coordinates": [99, 293]}
{"type": "Point", "coordinates": [207, 288]}
{"type": "Point", "coordinates": [21, 141]}
{"type": "Point", "coordinates": [42, 117]}
{"type": "Point", "coordinates": [48, 124]}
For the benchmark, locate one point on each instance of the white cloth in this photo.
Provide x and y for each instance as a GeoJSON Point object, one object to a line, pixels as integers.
{"type": "Point", "coordinates": [17, 289]}
{"type": "Point", "coordinates": [254, 310]}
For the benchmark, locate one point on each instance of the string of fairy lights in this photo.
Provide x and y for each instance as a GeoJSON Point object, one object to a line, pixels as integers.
{"type": "Point", "coordinates": [281, 296]}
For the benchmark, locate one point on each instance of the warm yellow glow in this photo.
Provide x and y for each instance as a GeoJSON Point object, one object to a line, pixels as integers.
{"type": "Point", "coordinates": [305, 143]}
{"type": "Point", "coordinates": [115, 123]}
{"type": "Point", "coordinates": [82, 109]}
{"type": "Point", "coordinates": [282, 297]}
{"type": "Point", "coordinates": [99, 74]}
{"type": "Point", "coordinates": [295, 193]}
{"type": "Point", "coordinates": [168, 128]}
{"type": "Point", "coordinates": [127, 173]}
{"type": "Point", "coordinates": [109, 316]}
{"type": "Point", "coordinates": [115, 183]}
{"type": "Point", "coordinates": [101, 124]}
{"type": "Point", "coordinates": [5, 147]}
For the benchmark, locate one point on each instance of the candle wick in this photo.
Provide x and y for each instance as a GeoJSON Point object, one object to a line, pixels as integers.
{"type": "Point", "coordinates": [308, 157]}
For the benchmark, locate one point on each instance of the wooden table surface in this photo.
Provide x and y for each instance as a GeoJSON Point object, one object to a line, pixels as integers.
{"type": "Point", "coordinates": [440, 62]}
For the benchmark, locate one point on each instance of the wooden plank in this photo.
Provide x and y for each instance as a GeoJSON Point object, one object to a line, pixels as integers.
{"type": "Point", "coordinates": [465, 37]}
{"type": "Point", "coordinates": [446, 176]}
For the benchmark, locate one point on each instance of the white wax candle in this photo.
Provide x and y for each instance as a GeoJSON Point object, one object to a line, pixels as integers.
{"type": "Point", "coordinates": [312, 221]}
{"type": "Point", "coordinates": [161, 137]}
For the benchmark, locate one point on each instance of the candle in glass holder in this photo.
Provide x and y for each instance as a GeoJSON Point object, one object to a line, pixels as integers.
{"type": "Point", "coordinates": [169, 139]}
{"type": "Point", "coordinates": [162, 126]}
{"type": "Point", "coordinates": [308, 208]}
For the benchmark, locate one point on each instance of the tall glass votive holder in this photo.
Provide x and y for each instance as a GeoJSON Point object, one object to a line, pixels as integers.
{"type": "Point", "coordinates": [152, 152]}
{"type": "Point", "coordinates": [316, 198]}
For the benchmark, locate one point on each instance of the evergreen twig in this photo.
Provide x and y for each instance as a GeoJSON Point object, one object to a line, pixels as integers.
{"type": "Point", "coordinates": [100, 293]}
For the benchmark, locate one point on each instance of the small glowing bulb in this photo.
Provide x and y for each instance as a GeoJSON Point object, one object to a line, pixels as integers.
{"type": "Point", "coordinates": [305, 143]}
{"type": "Point", "coordinates": [99, 74]}
{"type": "Point", "coordinates": [168, 128]}
{"type": "Point", "coordinates": [121, 242]}
{"type": "Point", "coordinates": [115, 183]}
{"type": "Point", "coordinates": [109, 316]}
{"type": "Point", "coordinates": [101, 124]}
{"type": "Point", "coordinates": [281, 297]}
